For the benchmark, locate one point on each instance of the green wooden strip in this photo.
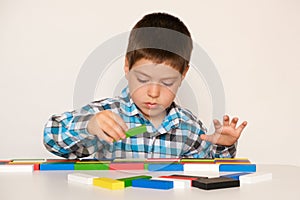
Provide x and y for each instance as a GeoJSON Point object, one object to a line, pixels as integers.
{"type": "Point", "coordinates": [136, 131]}
{"type": "Point", "coordinates": [94, 166]}
{"type": "Point", "coordinates": [128, 180]}
{"type": "Point", "coordinates": [146, 166]}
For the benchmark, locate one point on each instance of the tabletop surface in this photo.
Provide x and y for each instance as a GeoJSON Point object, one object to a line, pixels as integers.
{"type": "Point", "coordinates": [54, 185]}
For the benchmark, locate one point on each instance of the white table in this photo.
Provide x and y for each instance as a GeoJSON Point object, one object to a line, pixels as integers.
{"type": "Point", "coordinates": [53, 185]}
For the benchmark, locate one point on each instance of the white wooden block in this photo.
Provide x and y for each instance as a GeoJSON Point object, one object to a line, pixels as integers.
{"type": "Point", "coordinates": [81, 178]}
{"type": "Point", "coordinates": [203, 174]}
{"type": "Point", "coordinates": [16, 168]}
{"type": "Point", "coordinates": [201, 167]}
{"type": "Point", "coordinates": [177, 183]}
{"type": "Point", "coordinates": [256, 177]}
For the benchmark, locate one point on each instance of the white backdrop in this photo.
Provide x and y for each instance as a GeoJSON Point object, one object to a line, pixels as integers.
{"type": "Point", "coordinates": [254, 45]}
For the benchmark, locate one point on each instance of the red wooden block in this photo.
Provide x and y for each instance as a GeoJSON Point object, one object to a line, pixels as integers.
{"type": "Point", "coordinates": [36, 167]}
{"type": "Point", "coordinates": [126, 166]}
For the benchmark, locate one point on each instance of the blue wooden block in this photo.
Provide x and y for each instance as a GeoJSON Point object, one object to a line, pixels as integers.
{"type": "Point", "coordinates": [235, 176]}
{"type": "Point", "coordinates": [165, 167]}
{"type": "Point", "coordinates": [237, 168]}
{"type": "Point", "coordinates": [152, 184]}
{"type": "Point", "coordinates": [57, 166]}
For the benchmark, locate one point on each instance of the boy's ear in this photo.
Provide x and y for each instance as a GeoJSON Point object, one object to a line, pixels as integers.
{"type": "Point", "coordinates": [126, 67]}
{"type": "Point", "coordinates": [185, 71]}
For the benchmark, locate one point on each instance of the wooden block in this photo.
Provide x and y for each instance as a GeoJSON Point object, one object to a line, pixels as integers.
{"type": "Point", "coordinates": [128, 180]}
{"type": "Point", "coordinates": [201, 167]}
{"type": "Point", "coordinates": [256, 177]}
{"type": "Point", "coordinates": [232, 161]}
{"type": "Point", "coordinates": [130, 160]}
{"type": "Point", "coordinates": [189, 177]}
{"type": "Point", "coordinates": [177, 183]}
{"type": "Point", "coordinates": [61, 161]}
{"type": "Point", "coordinates": [16, 168]}
{"type": "Point", "coordinates": [197, 160]}
{"type": "Point", "coordinates": [126, 166]}
{"type": "Point", "coordinates": [165, 167]}
{"type": "Point", "coordinates": [93, 162]}
{"type": "Point", "coordinates": [235, 176]}
{"type": "Point", "coordinates": [108, 183]}
{"type": "Point", "coordinates": [57, 166]}
{"type": "Point", "coordinates": [108, 160]}
{"type": "Point", "coordinates": [237, 168]}
{"type": "Point", "coordinates": [91, 166]}
{"type": "Point", "coordinates": [215, 183]}
{"type": "Point", "coordinates": [135, 131]}
{"type": "Point", "coordinates": [5, 161]}
{"type": "Point", "coordinates": [162, 160]}
{"type": "Point", "coordinates": [81, 178]}
{"type": "Point", "coordinates": [28, 161]}
{"type": "Point", "coordinates": [181, 177]}
{"type": "Point", "coordinates": [36, 166]}
{"type": "Point", "coordinates": [152, 184]}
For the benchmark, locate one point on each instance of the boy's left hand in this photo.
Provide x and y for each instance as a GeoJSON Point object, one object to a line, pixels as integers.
{"type": "Point", "coordinates": [226, 134]}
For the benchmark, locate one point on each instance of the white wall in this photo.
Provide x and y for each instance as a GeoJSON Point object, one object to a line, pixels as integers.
{"type": "Point", "coordinates": [254, 45]}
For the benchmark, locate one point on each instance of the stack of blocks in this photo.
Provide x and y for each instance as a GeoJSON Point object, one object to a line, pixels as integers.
{"type": "Point", "coordinates": [243, 171]}
{"type": "Point", "coordinates": [241, 165]}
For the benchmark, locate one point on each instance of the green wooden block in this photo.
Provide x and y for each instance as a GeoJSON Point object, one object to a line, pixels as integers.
{"type": "Point", "coordinates": [91, 166]}
{"type": "Point", "coordinates": [128, 180]}
{"type": "Point", "coordinates": [146, 166]}
{"type": "Point", "coordinates": [136, 131]}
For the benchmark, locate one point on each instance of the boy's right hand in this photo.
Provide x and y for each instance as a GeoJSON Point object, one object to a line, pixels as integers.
{"type": "Point", "coordinates": [107, 126]}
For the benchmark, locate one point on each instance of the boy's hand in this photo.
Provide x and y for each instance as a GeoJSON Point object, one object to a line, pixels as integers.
{"type": "Point", "coordinates": [226, 134]}
{"type": "Point", "coordinates": [107, 126]}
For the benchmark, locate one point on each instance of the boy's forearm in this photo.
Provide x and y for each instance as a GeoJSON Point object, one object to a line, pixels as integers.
{"type": "Point", "coordinates": [66, 135]}
{"type": "Point", "coordinates": [204, 149]}
{"type": "Point", "coordinates": [219, 151]}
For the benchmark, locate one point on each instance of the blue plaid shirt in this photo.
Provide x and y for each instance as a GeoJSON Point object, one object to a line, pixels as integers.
{"type": "Point", "coordinates": [178, 136]}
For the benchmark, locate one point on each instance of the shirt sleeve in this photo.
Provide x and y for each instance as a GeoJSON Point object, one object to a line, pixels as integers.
{"type": "Point", "coordinates": [66, 135]}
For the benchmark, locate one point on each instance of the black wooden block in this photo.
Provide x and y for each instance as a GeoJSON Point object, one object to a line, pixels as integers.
{"type": "Point", "coordinates": [215, 183]}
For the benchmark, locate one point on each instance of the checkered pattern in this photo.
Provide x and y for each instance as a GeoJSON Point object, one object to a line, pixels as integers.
{"type": "Point", "coordinates": [66, 135]}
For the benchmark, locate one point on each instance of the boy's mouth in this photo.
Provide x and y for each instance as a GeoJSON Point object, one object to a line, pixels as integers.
{"type": "Point", "coordinates": [151, 105]}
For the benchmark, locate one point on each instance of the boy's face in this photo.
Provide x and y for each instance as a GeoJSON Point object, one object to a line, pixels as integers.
{"type": "Point", "coordinates": [152, 86]}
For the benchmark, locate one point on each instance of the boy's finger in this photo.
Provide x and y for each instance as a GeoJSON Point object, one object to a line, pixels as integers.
{"type": "Point", "coordinates": [121, 122]}
{"type": "Point", "coordinates": [234, 122]}
{"type": "Point", "coordinates": [111, 126]}
{"type": "Point", "coordinates": [226, 120]}
{"type": "Point", "coordinates": [111, 130]}
{"type": "Point", "coordinates": [217, 124]}
{"type": "Point", "coordinates": [242, 126]}
{"type": "Point", "coordinates": [104, 136]}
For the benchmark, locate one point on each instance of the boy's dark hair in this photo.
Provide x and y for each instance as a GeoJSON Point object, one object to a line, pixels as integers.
{"type": "Point", "coordinates": [159, 37]}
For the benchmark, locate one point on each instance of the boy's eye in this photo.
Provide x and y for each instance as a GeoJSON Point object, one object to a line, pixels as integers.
{"type": "Point", "coordinates": [168, 84]}
{"type": "Point", "coordinates": [142, 80]}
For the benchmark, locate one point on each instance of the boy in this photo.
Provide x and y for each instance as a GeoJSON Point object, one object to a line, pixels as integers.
{"type": "Point", "coordinates": [154, 75]}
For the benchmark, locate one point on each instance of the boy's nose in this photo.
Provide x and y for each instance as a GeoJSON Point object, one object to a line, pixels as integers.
{"type": "Point", "coordinates": [153, 90]}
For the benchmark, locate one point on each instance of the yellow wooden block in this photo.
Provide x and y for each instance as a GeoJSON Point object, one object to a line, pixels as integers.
{"type": "Point", "coordinates": [232, 163]}
{"type": "Point", "coordinates": [108, 183]}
